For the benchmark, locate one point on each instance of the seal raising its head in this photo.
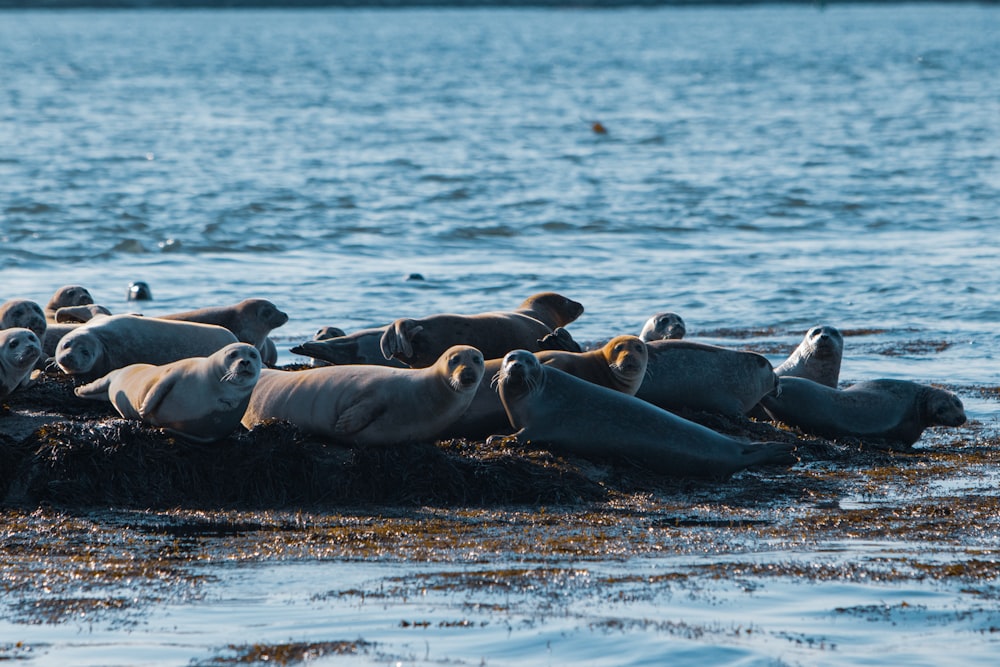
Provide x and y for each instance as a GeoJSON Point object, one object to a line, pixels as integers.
{"type": "Point", "coordinates": [817, 357]}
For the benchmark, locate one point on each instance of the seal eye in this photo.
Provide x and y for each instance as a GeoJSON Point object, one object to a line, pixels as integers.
{"type": "Point", "coordinates": [13, 345]}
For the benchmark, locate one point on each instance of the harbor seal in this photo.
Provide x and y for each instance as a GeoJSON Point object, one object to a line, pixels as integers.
{"type": "Point", "coordinates": [553, 408]}
{"type": "Point", "coordinates": [250, 320]}
{"type": "Point", "coordinates": [200, 398]}
{"type": "Point", "coordinates": [663, 326]}
{"type": "Point", "coordinates": [67, 295]}
{"type": "Point", "coordinates": [100, 346]}
{"type": "Point", "coordinates": [19, 350]}
{"type": "Point", "coordinates": [894, 410]}
{"type": "Point", "coordinates": [696, 376]}
{"type": "Point", "coordinates": [326, 333]}
{"type": "Point", "coordinates": [358, 347]}
{"type": "Point", "coordinates": [619, 365]}
{"type": "Point", "coordinates": [23, 314]}
{"type": "Point", "coordinates": [418, 342]}
{"type": "Point", "coordinates": [79, 314]}
{"type": "Point", "coordinates": [817, 357]}
{"type": "Point", "coordinates": [370, 405]}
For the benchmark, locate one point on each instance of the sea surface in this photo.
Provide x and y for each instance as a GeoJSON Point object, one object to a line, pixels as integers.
{"type": "Point", "coordinates": [761, 170]}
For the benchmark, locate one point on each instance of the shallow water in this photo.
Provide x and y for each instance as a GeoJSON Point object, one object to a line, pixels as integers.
{"type": "Point", "coordinates": [764, 170]}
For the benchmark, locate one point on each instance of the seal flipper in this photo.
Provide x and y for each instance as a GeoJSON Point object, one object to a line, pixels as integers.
{"type": "Point", "coordinates": [770, 453]}
{"type": "Point", "coordinates": [96, 390]}
{"type": "Point", "coordinates": [155, 397]}
{"type": "Point", "coordinates": [359, 415]}
{"type": "Point", "coordinates": [559, 339]}
{"type": "Point", "coordinates": [397, 341]}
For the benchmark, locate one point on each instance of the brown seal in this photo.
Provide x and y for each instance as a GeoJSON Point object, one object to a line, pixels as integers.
{"type": "Point", "coordinates": [23, 314]}
{"type": "Point", "coordinates": [67, 295]}
{"type": "Point", "coordinates": [683, 375]}
{"type": "Point", "coordinates": [817, 357]}
{"type": "Point", "coordinates": [619, 365]}
{"type": "Point", "coordinates": [19, 350]}
{"type": "Point", "coordinates": [105, 343]}
{"type": "Point", "coordinates": [555, 409]}
{"type": "Point", "coordinates": [893, 410]}
{"type": "Point", "coordinates": [663, 326]}
{"type": "Point", "coordinates": [200, 398]}
{"type": "Point", "coordinates": [250, 320]}
{"type": "Point", "coordinates": [418, 342]}
{"type": "Point", "coordinates": [370, 405]}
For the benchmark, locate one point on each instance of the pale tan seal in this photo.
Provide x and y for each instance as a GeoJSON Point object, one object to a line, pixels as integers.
{"type": "Point", "coordinates": [23, 314]}
{"type": "Point", "coordinates": [250, 320]}
{"type": "Point", "coordinates": [418, 342]}
{"type": "Point", "coordinates": [19, 350]}
{"type": "Point", "coordinates": [663, 326]}
{"type": "Point", "coordinates": [817, 357]}
{"type": "Point", "coordinates": [370, 405]}
{"type": "Point", "coordinates": [695, 376]}
{"type": "Point", "coordinates": [619, 365]}
{"type": "Point", "coordinates": [894, 410]}
{"type": "Point", "coordinates": [552, 408]}
{"type": "Point", "coordinates": [100, 346]}
{"type": "Point", "coordinates": [200, 398]}
{"type": "Point", "coordinates": [67, 295]}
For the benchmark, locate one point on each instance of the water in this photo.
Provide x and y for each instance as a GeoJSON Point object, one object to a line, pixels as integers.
{"type": "Point", "coordinates": [765, 169]}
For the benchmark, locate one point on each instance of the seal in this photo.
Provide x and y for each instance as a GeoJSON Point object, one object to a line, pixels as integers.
{"type": "Point", "coordinates": [362, 405]}
{"type": "Point", "coordinates": [79, 314]}
{"type": "Point", "coordinates": [683, 375]}
{"type": "Point", "coordinates": [19, 350]}
{"type": "Point", "coordinates": [326, 333]}
{"type": "Point", "coordinates": [200, 398]}
{"type": "Point", "coordinates": [250, 320]}
{"type": "Point", "coordinates": [418, 342]}
{"type": "Point", "coordinates": [23, 314]}
{"type": "Point", "coordinates": [553, 408]}
{"type": "Point", "coordinates": [67, 295]}
{"type": "Point", "coordinates": [619, 365]}
{"type": "Point", "coordinates": [892, 410]}
{"type": "Point", "coordinates": [817, 357]}
{"type": "Point", "coordinates": [358, 347]}
{"type": "Point", "coordinates": [106, 343]}
{"type": "Point", "coordinates": [663, 326]}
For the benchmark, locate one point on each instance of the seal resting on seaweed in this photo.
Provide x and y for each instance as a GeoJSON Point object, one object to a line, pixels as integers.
{"type": "Point", "coordinates": [19, 350]}
{"type": "Point", "coordinates": [418, 342]}
{"type": "Point", "coordinates": [550, 407]}
{"type": "Point", "coordinates": [370, 405]}
{"type": "Point", "coordinates": [696, 376]}
{"type": "Point", "coordinates": [200, 398]}
{"type": "Point", "coordinates": [358, 347]}
{"type": "Point", "coordinates": [894, 410]}
{"type": "Point", "coordinates": [663, 326]}
{"type": "Point", "coordinates": [817, 357]}
{"type": "Point", "coordinates": [67, 295]}
{"type": "Point", "coordinates": [106, 343]}
{"type": "Point", "coordinates": [619, 365]}
{"type": "Point", "coordinates": [250, 320]}
{"type": "Point", "coordinates": [23, 314]}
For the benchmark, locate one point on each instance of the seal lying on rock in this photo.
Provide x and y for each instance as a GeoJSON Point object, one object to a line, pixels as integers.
{"type": "Point", "coordinates": [200, 398]}
{"type": "Point", "coordinates": [696, 376]}
{"type": "Point", "coordinates": [19, 350]}
{"type": "Point", "coordinates": [370, 405]}
{"type": "Point", "coordinates": [895, 410]}
{"type": "Point", "coordinates": [105, 343]}
{"type": "Point", "coordinates": [250, 320]}
{"type": "Point", "coordinates": [817, 357]}
{"type": "Point", "coordinates": [663, 326]}
{"type": "Point", "coordinates": [553, 408]}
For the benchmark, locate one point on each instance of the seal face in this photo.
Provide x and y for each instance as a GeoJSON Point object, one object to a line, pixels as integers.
{"type": "Point", "coordinates": [106, 343]}
{"type": "Point", "coordinates": [663, 326]}
{"type": "Point", "coordinates": [370, 405]}
{"type": "Point", "coordinates": [23, 314]}
{"type": "Point", "coordinates": [894, 410]}
{"type": "Point", "coordinates": [817, 358]}
{"type": "Point", "coordinates": [694, 376]}
{"type": "Point", "coordinates": [418, 342]}
{"type": "Point", "coordinates": [200, 398]}
{"type": "Point", "coordinates": [553, 408]}
{"type": "Point", "coordinates": [19, 350]}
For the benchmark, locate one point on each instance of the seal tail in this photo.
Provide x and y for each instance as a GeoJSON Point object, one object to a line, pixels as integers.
{"type": "Point", "coordinates": [96, 390]}
{"type": "Point", "coordinates": [770, 453]}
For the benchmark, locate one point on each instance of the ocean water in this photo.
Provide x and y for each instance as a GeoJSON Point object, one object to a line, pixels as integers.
{"type": "Point", "coordinates": [763, 170]}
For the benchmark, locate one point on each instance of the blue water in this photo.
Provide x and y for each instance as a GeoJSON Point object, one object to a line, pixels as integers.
{"type": "Point", "coordinates": [764, 169]}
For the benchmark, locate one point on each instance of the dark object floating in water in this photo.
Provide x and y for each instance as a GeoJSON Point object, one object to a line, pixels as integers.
{"type": "Point", "coordinates": [139, 291]}
{"type": "Point", "coordinates": [415, 276]}
{"type": "Point", "coordinates": [598, 127]}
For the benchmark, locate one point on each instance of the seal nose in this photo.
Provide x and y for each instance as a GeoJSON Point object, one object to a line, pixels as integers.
{"type": "Point", "coordinates": [468, 377]}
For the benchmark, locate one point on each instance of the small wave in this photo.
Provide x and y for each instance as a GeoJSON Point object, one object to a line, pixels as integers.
{"type": "Point", "coordinates": [130, 246]}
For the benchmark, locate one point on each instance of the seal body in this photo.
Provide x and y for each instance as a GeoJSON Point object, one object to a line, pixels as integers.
{"type": "Point", "coordinates": [67, 295]}
{"type": "Point", "coordinates": [358, 347]}
{"type": "Point", "coordinates": [817, 357]}
{"type": "Point", "coordinates": [23, 314]}
{"type": "Point", "coordinates": [895, 410]}
{"type": "Point", "coordinates": [200, 398]}
{"type": "Point", "coordinates": [695, 376]}
{"type": "Point", "coordinates": [663, 326]}
{"type": "Point", "coordinates": [250, 320]}
{"type": "Point", "coordinates": [619, 365]}
{"type": "Point", "coordinates": [550, 407]}
{"type": "Point", "coordinates": [370, 405]}
{"type": "Point", "coordinates": [103, 344]}
{"type": "Point", "coordinates": [79, 314]}
{"type": "Point", "coordinates": [418, 342]}
{"type": "Point", "coordinates": [19, 350]}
